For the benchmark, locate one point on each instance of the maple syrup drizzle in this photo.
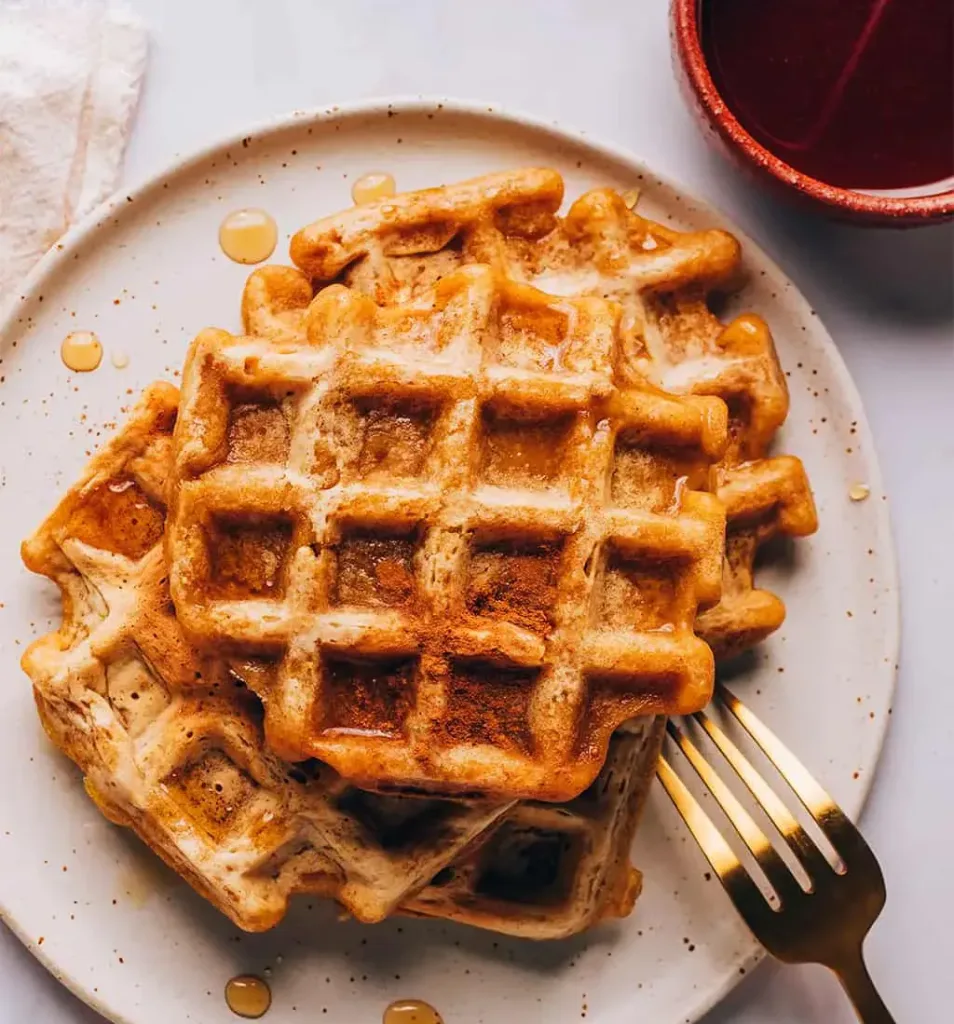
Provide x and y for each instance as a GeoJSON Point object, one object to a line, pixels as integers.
{"type": "Point", "coordinates": [248, 996]}
{"type": "Point", "coordinates": [747, 333]}
{"type": "Point", "coordinates": [371, 186]}
{"type": "Point", "coordinates": [859, 492]}
{"type": "Point", "coordinates": [81, 351]}
{"type": "Point", "coordinates": [411, 1011]}
{"type": "Point", "coordinates": [248, 236]}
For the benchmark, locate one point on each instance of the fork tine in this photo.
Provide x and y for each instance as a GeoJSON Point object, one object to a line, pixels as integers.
{"type": "Point", "coordinates": [736, 881]}
{"type": "Point", "coordinates": [827, 814]}
{"type": "Point", "coordinates": [799, 841]}
{"type": "Point", "coordinates": [754, 838]}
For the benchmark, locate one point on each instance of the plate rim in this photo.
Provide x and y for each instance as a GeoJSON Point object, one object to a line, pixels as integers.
{"type": "Point", "coordinates": [68, 243]}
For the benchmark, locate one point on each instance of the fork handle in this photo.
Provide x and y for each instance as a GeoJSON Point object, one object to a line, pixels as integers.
{"type": "Point", "coordinates": [860, 989]}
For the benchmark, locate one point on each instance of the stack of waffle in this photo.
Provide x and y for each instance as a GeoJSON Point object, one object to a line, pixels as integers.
{"type": "Point", "coordinates": [389, 604]}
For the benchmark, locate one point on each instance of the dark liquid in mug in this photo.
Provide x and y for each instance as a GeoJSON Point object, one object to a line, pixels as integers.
{"type": "Point", "coordinates": [855, 93]}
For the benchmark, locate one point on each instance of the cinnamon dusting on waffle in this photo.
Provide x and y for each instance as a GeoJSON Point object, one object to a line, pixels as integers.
{"type": "Point", "coordinates": [477, 544]}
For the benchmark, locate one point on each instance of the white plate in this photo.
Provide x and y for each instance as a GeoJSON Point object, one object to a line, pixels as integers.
{"type": "Point", "coordinates": [146, 273]}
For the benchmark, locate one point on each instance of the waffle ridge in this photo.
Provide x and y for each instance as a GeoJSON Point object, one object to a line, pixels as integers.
{"type": "Point", "coordinates": [663, 278]}
{"type": "Point", "coordinates": [467, 544]}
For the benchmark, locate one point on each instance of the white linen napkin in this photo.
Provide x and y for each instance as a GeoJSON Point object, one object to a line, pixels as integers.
{"type": "Point", "coordinates": [69, 82]}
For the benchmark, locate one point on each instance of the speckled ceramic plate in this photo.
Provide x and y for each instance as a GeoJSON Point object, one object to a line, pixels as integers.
{"type": "Point", "coordinates": [145, 273]}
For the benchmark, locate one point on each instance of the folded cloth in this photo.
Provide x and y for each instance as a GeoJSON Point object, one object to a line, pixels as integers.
{"type": "Point", "coordinates": [69, 82]}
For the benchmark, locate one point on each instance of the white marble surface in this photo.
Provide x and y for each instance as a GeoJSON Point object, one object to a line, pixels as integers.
{"type": "Point", "coordinates": [887, 298]}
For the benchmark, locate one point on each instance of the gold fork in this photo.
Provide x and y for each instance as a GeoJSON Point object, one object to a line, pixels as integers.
{"type": "Point", "coordinates": [822, 920]}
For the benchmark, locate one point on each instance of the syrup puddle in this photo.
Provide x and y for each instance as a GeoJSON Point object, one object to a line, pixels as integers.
{"type": "Point", "coordinates": [81, 351]}
{"type": "Point", "coordinates": [411, 1011]}
{"type": "Point", "coordinates": [371, 186]}
{"type": "Point", "coordinates": [248, 236]}
{"type": "Point", "coordinates": [248, 996]}
{"type": "Point", "coordinates": [143, 877]}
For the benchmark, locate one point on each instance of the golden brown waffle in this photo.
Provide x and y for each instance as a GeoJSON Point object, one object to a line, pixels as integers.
{"type": "Point", "coordinates": [472, 549]}
{"type": "Point", "coordinates": [398, 247]}
{"type": "Point", "coordinates": [171, 743]}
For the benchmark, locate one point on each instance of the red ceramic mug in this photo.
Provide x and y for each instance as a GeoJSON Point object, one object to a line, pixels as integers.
{"type": "Point", "coordinates": [693, 56]}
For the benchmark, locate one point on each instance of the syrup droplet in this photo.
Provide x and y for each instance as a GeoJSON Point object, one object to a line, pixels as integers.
{"type": "Point", "coordinates": [631, 198]}
{"type": "Point", "coordinates": [746, 334]}
{"type": "Point", "coordinates": [858, 492]}
{"type": "Point", "coordinates": [248, 236]}
{"type": "Point", "coordinates": [81, 351]}
{"type": "Point", "coordinates": [371, 186]}
{"type": "Point", "coordinates": [412, 1011]}
{"type": "Point", "coordinates": [120, 360]}
{"type": "Point", "coordinates": [248, 996]}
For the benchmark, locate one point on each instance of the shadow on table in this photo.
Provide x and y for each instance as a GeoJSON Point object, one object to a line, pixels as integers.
{"type": "Point", "coordinates": [784, 995]}
{"type": "Point", "coordinates": [904, 275]}
{"type": "Point", "coordinates": [47, 1001]}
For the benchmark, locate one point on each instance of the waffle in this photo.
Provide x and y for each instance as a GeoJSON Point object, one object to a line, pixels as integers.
{"type": "Point", "coordinates": [471, 549]}
{"type": "Point", "coordinates": [397, 248]}
{"type": "Point", "coordinates": [171, 742]}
